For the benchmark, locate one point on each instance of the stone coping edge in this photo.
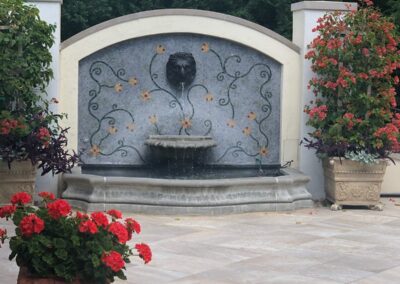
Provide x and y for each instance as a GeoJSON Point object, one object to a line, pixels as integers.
{"type": "Point", "coordinates": [323, 5]}
{"type": "Point", "coordinates": [189, 197]}
{"type": "Point", "coordinates": [194, 211]}
{"type": "Point", "coordinates": [395, 156]}
{"type": "Point", "coordinates": [290, 176]}
{"type": "Point", "coordinates": [179, 12]}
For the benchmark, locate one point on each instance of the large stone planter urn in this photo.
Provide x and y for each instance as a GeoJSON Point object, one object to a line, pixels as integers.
{"type": "Point", "coordinates": [350, 182]}
{"type": "Point", "coordinates": [21, 177]}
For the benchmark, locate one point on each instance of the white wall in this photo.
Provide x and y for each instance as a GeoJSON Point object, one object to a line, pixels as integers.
{"type": "Point", "coordinates": [50, 11]}
{"type": "Point", "coordinates": [305, 15]}
{"type": "Point", "coordinates": [391, 181]}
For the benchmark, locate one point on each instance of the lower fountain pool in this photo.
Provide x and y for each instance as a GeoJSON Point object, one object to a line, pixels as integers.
{"type": "Point", "coordinates": [207, 196]}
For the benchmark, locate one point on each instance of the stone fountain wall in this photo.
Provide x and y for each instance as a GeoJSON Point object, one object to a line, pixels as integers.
{"type": "Point", "coordinates": [245, 95]}
{"type": "Point", "coordinates": [124, 97]}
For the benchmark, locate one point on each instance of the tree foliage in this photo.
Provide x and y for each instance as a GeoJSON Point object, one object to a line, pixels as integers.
{"type": "Point", "coordinates": [24, 55]}
{"type": "Point", "coordinates": [78, 15]}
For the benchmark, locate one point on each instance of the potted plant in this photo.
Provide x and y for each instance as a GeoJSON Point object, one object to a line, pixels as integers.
{"type": "Point", "coordinates": [52, 243]}
{"type": "Point", "coordinates": [29, 132]}
{"type": "Point", "coordinates": [355, 126]}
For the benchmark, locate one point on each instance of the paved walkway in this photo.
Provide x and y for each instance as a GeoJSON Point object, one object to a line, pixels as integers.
{"type": "Point", "coordinates": [305, 246]}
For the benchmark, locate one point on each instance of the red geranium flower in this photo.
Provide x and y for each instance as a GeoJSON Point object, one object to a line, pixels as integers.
{"type": "Point", "coordinates": [3, 235]}
{"type": "Point", "coordinates": [115, 213]}
{"type": "Point", "coordinates": [144, 252]}
{"type": "Point", "coordinates": [7, 210]}
{"type": "Point", "coordinates": [88, 226]}
{"type": "Point", "coordinates": [21, 198]}
{"type": "Point", "coordinates": [132, 225]}
{"type": "Point", "coordinates": [31, 224]}
{"type": "Point", "coordinates": [113, 260]}
{"type": "Point", "coordinates": [59, 208]}
{"type": "Point", "coordinates": [119, 230]}
{"type": "Point", "coordinates": [100, 219]}
{"type": "Point", "coordinates": [47, 195]}
{"type": "Point", "coordinates": [81, 215]}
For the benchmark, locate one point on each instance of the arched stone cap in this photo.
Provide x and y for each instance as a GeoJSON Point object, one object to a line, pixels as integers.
{"type": "Point", "coordinates": [179, 12]}
{"type": "Point", "coordinates": [195, 22]}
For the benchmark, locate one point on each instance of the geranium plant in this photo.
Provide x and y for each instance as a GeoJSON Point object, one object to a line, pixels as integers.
{"type": "Point", "coordinates": [353, 57]}
{"type": "Point", "coordinates": [52, 241]}
{"type": "Point", "coordinates": [29, 130]}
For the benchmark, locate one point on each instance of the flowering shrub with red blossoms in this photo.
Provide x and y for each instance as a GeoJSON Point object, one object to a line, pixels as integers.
{"type": "Point", "coordinates": [52, 241]}
{"type": "Point", "coordinates": [354, 56]}
{"type": "Point", "coordinates": [37, 138]}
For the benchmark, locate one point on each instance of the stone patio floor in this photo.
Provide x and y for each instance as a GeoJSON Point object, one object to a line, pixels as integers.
{"type": "Point", "coordinates": [304, 246]}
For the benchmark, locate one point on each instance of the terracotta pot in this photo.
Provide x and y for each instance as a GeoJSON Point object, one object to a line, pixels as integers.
{"type": "Point", "coordinates": [349, 182]}
{"type": "Point", "coordinates": [21, 177]}
{"type": "Point", "coordinates": [24, 277]}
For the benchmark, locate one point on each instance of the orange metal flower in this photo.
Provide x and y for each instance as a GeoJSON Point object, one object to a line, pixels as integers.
{"type": "Point", "coordinates": [263, 151]}
{"type": "Point", "coordinates": [160, 49]}
{"type": "Point", "coordinates": [118, 88]}
{"type": "Point", "coordinates": [186, 123]}
{"type": "Point", "coordinates": [247, 131]}
{"type": "Point", "coordinates": [133, 81]}
{"type": "Point", "coordinates": [231, 123]}
{"type": "Point", "coordinates": [205, 47]}
{"type": "Point", "coordinates": [95, 150]}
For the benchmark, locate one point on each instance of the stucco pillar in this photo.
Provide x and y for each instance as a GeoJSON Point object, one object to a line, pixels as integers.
{"type": "Point", "coordinates": [50, 11]}
{"type": "Point", "coordinates": [305, 16]}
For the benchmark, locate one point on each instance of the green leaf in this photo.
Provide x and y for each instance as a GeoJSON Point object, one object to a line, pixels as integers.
{"type": "Point", "coordinates": [95, 261]}
{"type": "Point", "coordinates": [120, 274]}
{"type": "Point", "coordinates": [61, 254]}
{"type": "Point", "coordinates": [60, 271]}
{"type": "Point", "coordinates": [75, 240]}
{"type": "Point", "coordinates": [49, 259]}
{"type": "Point", "coordinates": [59, 243]}
{"type": "Point", "coordinates": [44, 241]}
{"type": "Point", "coordinates": [12, 255]}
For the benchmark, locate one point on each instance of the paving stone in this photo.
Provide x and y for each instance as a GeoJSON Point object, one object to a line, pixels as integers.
{"type": "Point", "coordinates": [390, 276]}
{"type": "Point", "coordinates": [335, 273]}
{"type": "Point", "coordinates": [304, 246]}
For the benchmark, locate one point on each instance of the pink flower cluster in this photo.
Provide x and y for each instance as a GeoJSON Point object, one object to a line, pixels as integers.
{"type": "Point", "coordinates": [389, 132]}
{"type": "Point", "coordinates": [7, 125]}
{"type": "Point", "coordinates": [319, 112]}
{"type": "Point", "coordinates": [44, 135]}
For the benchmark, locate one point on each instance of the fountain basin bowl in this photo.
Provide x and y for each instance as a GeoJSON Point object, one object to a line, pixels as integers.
{"type": "Point", "coordinates": [180, 141]}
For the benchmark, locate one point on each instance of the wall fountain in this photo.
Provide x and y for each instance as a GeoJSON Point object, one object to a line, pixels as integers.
{"type": "Point", "coordinates": [182, 123]}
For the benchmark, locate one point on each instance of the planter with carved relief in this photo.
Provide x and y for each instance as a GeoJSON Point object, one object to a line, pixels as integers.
{"type": "Point", "coordinates": [20, 177]}
{"type": "Point", "coordinates": [354, 183]}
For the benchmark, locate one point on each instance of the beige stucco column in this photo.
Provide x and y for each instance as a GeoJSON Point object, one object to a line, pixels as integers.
{"type": "Point", "coordinates": [305, 15]}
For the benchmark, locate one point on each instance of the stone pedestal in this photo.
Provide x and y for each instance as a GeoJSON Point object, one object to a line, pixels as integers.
{"type": "Point", "coordinates": [21, 177]}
